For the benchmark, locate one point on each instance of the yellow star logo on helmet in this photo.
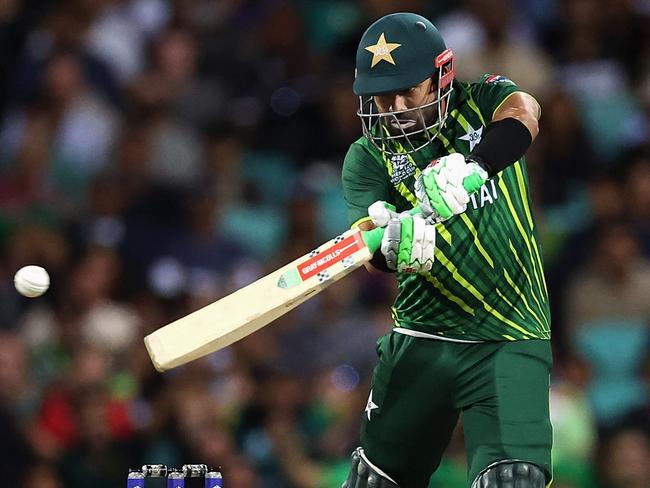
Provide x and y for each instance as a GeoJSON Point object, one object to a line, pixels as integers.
{"type": "Point", "coordinates": [382, 51]}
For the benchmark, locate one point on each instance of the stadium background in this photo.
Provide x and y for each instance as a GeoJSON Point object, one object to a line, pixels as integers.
{"type": "Point", "coordinates": [158, 154]}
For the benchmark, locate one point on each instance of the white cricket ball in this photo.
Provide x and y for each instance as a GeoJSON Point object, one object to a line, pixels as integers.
{"type": "Point", "coordinates": [31, 281]}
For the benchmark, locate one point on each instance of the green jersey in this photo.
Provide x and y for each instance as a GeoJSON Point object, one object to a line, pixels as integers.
{"type": "Point", "coordinates": [487, 281]}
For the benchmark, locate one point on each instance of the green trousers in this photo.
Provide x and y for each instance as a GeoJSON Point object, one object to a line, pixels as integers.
{"type": "Point", "coordinates": [420, 387]}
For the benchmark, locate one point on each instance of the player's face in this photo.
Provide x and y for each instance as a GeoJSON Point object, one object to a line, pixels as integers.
{"type": "Point", "coordinates": [406, 100]}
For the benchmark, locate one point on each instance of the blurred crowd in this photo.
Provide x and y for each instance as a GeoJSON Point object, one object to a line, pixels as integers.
{"type": "Point", "coordinates": [158, 154]}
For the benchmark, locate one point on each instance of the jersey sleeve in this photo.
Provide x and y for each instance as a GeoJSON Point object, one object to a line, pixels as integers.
{"type": "Point", "coordinates": [491, 91]}
{"type": "Point", "coordinates": [364, 182]}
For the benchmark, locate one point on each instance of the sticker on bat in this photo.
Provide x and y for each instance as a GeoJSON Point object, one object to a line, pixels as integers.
{"type": "Point", "coordinates": [317, 264]}
{"type": "Point", "coordinates": [342, 248]}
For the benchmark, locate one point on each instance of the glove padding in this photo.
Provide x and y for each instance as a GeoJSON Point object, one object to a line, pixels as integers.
{"type": "Point", "coordinates": [409, 241]}
{"type": "Point", "coordinates": [444, 187]}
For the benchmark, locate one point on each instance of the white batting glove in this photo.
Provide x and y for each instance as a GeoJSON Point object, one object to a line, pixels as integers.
{"type": "Point", "coordinates": [409, 242]}
{"type": "Point", "coordinates": [444, 187]}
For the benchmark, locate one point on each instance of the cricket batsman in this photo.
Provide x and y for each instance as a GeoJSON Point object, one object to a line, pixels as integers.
{"type": "Point", "coordinates": [472, 335]}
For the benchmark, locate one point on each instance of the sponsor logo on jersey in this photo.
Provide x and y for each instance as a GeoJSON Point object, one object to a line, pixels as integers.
{"type": "Point", "coordinates": [402, 168]}
{"type": "Point", "coordinates": [487, 195]}
{"type": "Point", "coordinates": [494, 79]}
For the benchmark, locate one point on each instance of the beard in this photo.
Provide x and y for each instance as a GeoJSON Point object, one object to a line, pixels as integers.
{"type": "Point", "coordinates": [411, 121]}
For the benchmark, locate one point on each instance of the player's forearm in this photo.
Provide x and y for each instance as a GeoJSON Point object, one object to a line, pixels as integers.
{"type": "Point", "coordinates": [509, 135]}
{"type": "Point", "coordinates": [522, 107]}
{"type": "Point", "coordinates": [523, 115]}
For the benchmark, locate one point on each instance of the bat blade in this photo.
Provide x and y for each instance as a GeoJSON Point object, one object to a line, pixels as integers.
{"type": "Point", "coordinates": [248, 309]}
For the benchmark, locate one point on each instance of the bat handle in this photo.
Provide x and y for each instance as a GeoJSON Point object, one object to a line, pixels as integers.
{"type": "Point", "coordinates": [473, 182]}
{"type": "Point", "coordinates": [373, 237]}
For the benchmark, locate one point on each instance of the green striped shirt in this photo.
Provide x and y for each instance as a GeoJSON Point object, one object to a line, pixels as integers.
{"type": "Point", "coordinates": [487, 282]}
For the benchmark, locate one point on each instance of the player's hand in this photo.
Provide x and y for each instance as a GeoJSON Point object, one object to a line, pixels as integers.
{"type": "Point", "coordinates": [444, 187]}
{"type": "Point", "coordinates": [409, 241]}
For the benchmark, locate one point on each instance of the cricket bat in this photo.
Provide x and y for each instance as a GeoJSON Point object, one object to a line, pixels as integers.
{"type": "Point", "coordinates": [248, 309]}
{"type": "Point", "coordinates": [241, 313]}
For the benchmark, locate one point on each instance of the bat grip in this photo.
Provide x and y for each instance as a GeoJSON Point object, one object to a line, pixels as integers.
{"type": "Point", "coordinates": [473, 182]}
{"type": "Point", "coordinates": [373, 237]}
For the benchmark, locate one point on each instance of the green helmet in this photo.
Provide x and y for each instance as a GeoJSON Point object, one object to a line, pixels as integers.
{"type": "Point", "coordinates": [397, 52]}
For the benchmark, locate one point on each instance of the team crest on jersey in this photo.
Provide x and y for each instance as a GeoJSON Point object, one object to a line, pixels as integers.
{"type": "Point", "coordinates": [402, 168]}
{"type": "Point", "coordinates": [473, 136]}
{"type": "Point", "coordinates": [370, 406]}
{"type": "Point", "coordinates": [494, 79]}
